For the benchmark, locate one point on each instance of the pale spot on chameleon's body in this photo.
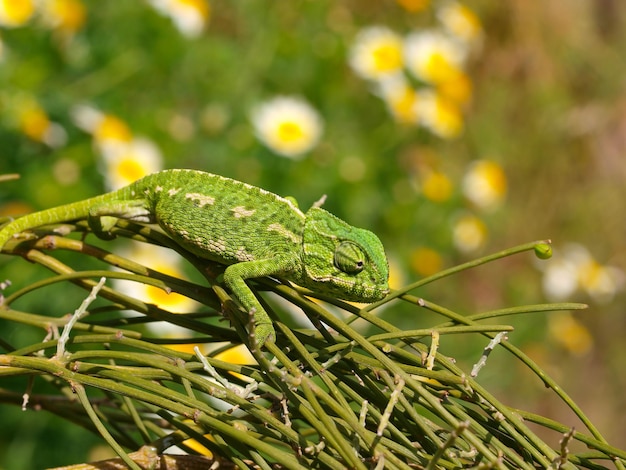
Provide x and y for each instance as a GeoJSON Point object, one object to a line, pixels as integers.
{"type": "Point", "coordinates": [243, 255]}
{"type": "Point", "coordinates": [216, 246]}
{"type": "Point", "coordinates": [158, 189]}
{"type": "Point", "coordinates": [284, 231]}
{"type": "Point", "coordinates": [173, 191]}
{"type": "Point", "coordinates": [201, 199]}
{"type": "Point", "coordinates": [241, 211]}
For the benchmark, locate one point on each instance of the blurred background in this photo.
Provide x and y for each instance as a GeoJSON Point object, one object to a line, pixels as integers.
{"type": "Point", "coordinates": [451, 129]}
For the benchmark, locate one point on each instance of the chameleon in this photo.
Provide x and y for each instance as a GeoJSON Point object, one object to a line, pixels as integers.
{"type": "Point", "coordinates": [254, 232]}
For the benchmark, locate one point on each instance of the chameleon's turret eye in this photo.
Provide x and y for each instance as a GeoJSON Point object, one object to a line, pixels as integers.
{"type": "Point", "coordinates": [349, 258]}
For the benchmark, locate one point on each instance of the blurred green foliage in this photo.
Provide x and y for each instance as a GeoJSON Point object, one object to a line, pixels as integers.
{"type": "Point", "coordinates": [548, 106]}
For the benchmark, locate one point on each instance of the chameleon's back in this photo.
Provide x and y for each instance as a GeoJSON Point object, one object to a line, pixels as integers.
{"type": "Point", "coordinates": [222, 219]}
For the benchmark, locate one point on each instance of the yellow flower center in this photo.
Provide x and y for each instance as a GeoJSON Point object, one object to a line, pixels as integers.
{"type": "Point", "coordinates": [462, 21]}
{"type": "Point", "coordinates": [112, 128]}
{"type": "Point", "coordinates": [403, 105]}
{"type": "Point", "coordinates": [494, 177]}
{"type": "Point", "coordinates": [70, 14]}
{"type": "Point", "coordinates": [426, 261]}
{"type": "Point", "coordinates": [289, 131]}
{"type": "Point", "coordinates": [34, 123]}
{"type": "Point", "coordinates": [437, 186]}
{"type": "Point", "coordinates": [387, 57]}
{"type": "Point", "coordinates": [439, 69]}
{"type": "Point", "coordinates": [16, 13]}
{"type": "Point", "coordinates": [200, 6]}
{"type": "Point", "coordinates": [131, 170]}
{"type": "Point", "coordinates": [457, 88]}
{"type": "Point", "coordinates": [448, 121]}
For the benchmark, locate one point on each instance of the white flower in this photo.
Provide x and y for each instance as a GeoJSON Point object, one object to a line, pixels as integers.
{"type": "Point", "coordinates": [433, 57]}
{"type": "Point", "coordinates": [400, 98]}
{"type": "Point", "coordinates": [460, 21]}
{"type": "Point", "coordinates": [485, 184]}
{"type": "Point", "coordinates": [125, 158]}
{"type": "Point", "coordinates": [560, 279]}
{"type": "Point", "coordinates": [127, 162]}
{"type": "Point", "coordinates": [602, 283]}
{"type": "Point", "coordinates": [439, 115]}
{"type": "Point", "coordinates": [469, 233]}
{"type": "Point", "coordinates": [164, 261]}
{"type": "Point", "coordinates": [376, 53]}
{"type": "Point", "coordinates": [67, 16]}
{"type": "Point", "coordinates": [189, 16]}
{"type": "Point", "coordinates": [573, 268]}
{"type": "Point", "coordinates": [35, 123]}
{"type": "Point", "coordinates": [38, 127]}
{"type": "Point", "coordinates": [107, 130]}
{"type": "Point", "coordinates": [288, 126]}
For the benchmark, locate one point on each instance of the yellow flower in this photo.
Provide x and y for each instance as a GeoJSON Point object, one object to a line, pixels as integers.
{"type": "Point", "coordinates": [456, 88]}
{"type": "Point", "coordinates": [105, 128]}
{"type": "Point", "coordinates": [460, 21]}
{"type": "Point", "coordinates": [400, 98]}
{"type": "Point", "coordinates": [600, 282]}
{"type": "Point", "coordinates": [436, 186]}
{"type": "Point", "coordinates": [485, 184]}
{"type": "Point", "coordinates": [396, 274]}
{"type": "Point", "coordinates": [573, 268]}
{"type": "Point", "coordinates": [236, 355]}
{"type": "Point", "coordinates": [35, 123]}
{"type": "Point", "coordinates": [125, 163]}
{"type": "Point", "coordinates": [126, 158]}
{"type": "Point", "coordinates": [426, 261]}
{"type": "Point", "coordinates": [439, 115]}
{"type": "Point", "coordinates": [167, 262]}
{"type": "Point", "coordinates": [287, 126]}
{"type": "Point", "coordinates": [560, 277]}
{"type": "Point", "coordinates": [433, 57]}
{"type": "Point", "coordinates": [67, 16]}
{"type": "Point", "coordinates": [14, 13]}
{"type": "Point", "coordinates": [189, 16]}
{"type": "Point", "coordinates": [111, 128]}
{"type": "Point", "coordinates": [376, 53]}
{"type": "Point", "coordinates": [469, 233]}
{"type": "Point", "coordinates": [570, 333]}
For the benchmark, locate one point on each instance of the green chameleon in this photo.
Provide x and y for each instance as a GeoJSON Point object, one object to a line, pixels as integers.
{"type": "Point", "coordinates": [256, 233]}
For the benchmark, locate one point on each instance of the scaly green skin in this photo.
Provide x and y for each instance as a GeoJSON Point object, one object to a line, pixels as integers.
{"type": "Point", "coordinates": [255, 232]}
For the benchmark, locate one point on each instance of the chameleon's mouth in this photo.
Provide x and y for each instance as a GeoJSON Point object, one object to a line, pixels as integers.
{"type": "Point", "coordinates": [364, 293]}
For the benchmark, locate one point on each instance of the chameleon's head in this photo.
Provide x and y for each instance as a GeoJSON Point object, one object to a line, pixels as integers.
{"type": "Point", "coordinates": [343, 261]}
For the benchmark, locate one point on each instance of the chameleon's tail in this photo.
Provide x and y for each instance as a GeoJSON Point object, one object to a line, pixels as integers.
{"type": "Point", "coordinates": [66, 213]}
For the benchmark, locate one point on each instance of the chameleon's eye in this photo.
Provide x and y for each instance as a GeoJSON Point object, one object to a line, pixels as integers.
{"type": "Point", "coordinates": [349, 258]}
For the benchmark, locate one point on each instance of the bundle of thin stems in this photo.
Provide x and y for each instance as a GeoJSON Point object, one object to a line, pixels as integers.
{"type": "Point", "coordinates": [335, 395]}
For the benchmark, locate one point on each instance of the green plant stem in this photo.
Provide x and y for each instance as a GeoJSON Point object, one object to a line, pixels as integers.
{"type": "Point", "coordinates": [104, 432]}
